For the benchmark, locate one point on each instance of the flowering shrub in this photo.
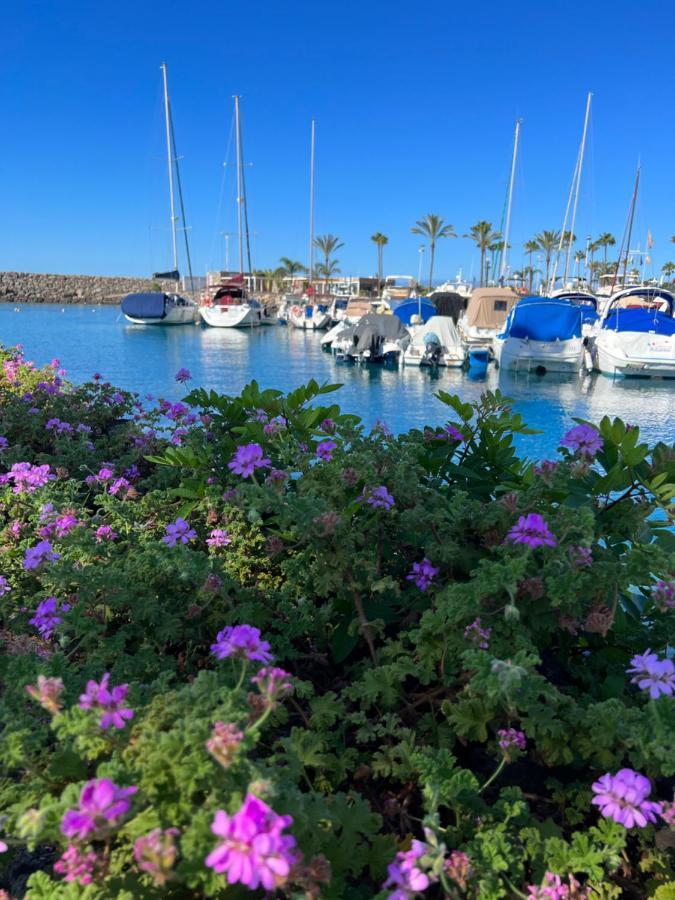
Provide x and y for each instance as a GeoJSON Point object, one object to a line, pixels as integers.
{"type": "Point", "coordinates": [272, 663]}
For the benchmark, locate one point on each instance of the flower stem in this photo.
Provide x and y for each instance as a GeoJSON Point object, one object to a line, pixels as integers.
{"type": "Point", "coordinates": [494, 775]}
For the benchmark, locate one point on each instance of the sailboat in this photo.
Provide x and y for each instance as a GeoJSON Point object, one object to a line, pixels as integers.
{"type": "Point", "coordinates": [228, 304]}
{"type": "Point", "coordinates": [161, 307]}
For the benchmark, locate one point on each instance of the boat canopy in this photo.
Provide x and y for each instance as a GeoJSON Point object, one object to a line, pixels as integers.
{"type": "Point", "coordinates": [544, 319]}
{"type": "Point", "coordinates": [489, 307]}
{"type": "Point", "coordinates": [442, 327]}
{"type": "Point", "coordinates": [640, 320]}
{"type": "Point", "coordinates": [414, 306]}
{"type": "Point", "coordinates": [449, 303]}
{"type": "Point", "coordinates": [151, 305]}
{"type": "Point", "coordinates": [173, 275]}
{"type": "Point", "coordinates": [371, 331]}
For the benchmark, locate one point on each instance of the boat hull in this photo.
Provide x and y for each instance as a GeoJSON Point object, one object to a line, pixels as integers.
{"type": "Point", "coordinates": [176, 315]}
{"type": "Point", "coordinates": [634, 354]}
{"type": "Point", "coordinates": [235, 316]}
{"type": "Point", "coordinates": [521, 354]}
{"type": "Point", "coordinates": [414, 357]}
{"type": "Point", "coordinates": [316, 322]}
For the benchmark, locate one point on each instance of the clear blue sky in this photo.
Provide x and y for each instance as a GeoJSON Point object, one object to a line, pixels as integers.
{"type": "Point", "coordinates": [415, 106]}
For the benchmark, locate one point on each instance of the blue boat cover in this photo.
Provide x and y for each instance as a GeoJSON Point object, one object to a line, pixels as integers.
{"type": "Point", "coordinates": [414, 306]}
{"type": "Point", "coordinates": [144, 306]}
{"type": "Point", "coordinates": [543, 319]}
{"type": "Point", "coordinates": [642, 320]}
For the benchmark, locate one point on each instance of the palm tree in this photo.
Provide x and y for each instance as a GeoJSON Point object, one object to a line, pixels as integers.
{"type": "Point", "coordinates": [668, 270]}
{"type": "Point", "coordinates": [433, 228]}
{"type": "Point", "coordinates": [379, 240]}
{"type": "Point", "coordinates": [327, 270]}
{"type": "Point", "coordinates": [484, 237]}
{"type": "Point", "coordinates": [292, 266]}
{"type": "Point", "coordinates": [529, 272]}
{"type": "Point", "coordinates": [547, 241]}
{"type": "Point", "coordinates": [530, 247]}
{"type": "Point", "coordinates": [327, 244]}
{"type": "Point", "coordinates": [605, 240]}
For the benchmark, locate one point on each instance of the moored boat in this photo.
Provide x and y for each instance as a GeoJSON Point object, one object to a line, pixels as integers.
{"type": "Point", "coordinates": [485, 315]}
{"type": "Point", "coordinates": [435, 343]}
{"type": "Point", "coordinates": [374, 338]}
{"type": "Point", "coordinates": [309, 316]}
{"type": "Point", "coordinates": [229, 306]}
{"type": "Point", "coordinates": [541, 334]}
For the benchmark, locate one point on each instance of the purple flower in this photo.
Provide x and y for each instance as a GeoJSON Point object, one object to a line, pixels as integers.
{"type": "Point", "coordinates": [105, 533]}
{"type": "Point", "coordinates": [276, 477]}
{"type": "Point", "coordinates": [584, 440]}
{"type": "Point", "coordinates": [533, 531]}
{"type": "Point", "coordinates": [653, 674]}
{"type": "Point", "coordinates": [663, 593]}
{"type": "Point", "coordinates": [623, 797]}
{"type": "Point", "coordinates": [83, 429]}
{"type": "Point", "coordinates": [423, 573]}
{"type": "Point", "coordinates": [102, 806]}
{"type": "Point", "coordinates": [28, 478]}
{"type": "Point", "coordinates": [78, 864]}
{"type": "Point", "coordinates": [253, 851]}
{"type": "Point", "coordinates": [155, 853]}
{"type": "Point", "coordinates": [275, 425]}
{"type": "Point", "coordinates": [4, 443]}
{"type": "Point", "coordinates": [5, 586]}
{"type": "Point", "coordinates": [176, 411]}
{"type": "Point", "coordinates": [47, 617]}
{"type": "Point", "coordinates": [183, 375]}
{"type": "Point", "coordinates": [247, 459]}
{"type": "Point", "coordinates": [38, 555]}
{"type": "Point", "coordinates": [511, 738]}
{"type": "Point", "coordinates": [178, 531]}
{"type": "Point", "coordinates": [273, 683]}
{"type": "Point", "coordinates": [242, 641]}
{"type": "Point", "coordinates": [110, 701]}
{"type": "Point", "coordinates": [120, 484]}
{"type": "Point", "coordinates": [224, 742]}
{"type": "Point", "coordinates": [328, 426]}
{"type": "Point", "coordinates": [325, 450]}
{"type": "Point", "coordinates": [581, 556]}
{"type": "Point", "coordinates": [553, 888]}
{"type": "Point", "coordinates": [450, 433]}
{"type": "Point", "coordinates": [59, 427]}
{"type": "Point", "coordinates": [381, 427]}
{"type": "Point", "coordinates": [64, 524]}
{"type": "Point", "coordinates": [545, 469]}
{"type": "Point", "coordinates": [379, 498]}
{"type": "Point", "coordinates": [47, 693]}
{"type": "Point", "coordinates": [477, 634]}
{"type": "Point", "coordinates": [219, 538]}
{"type": "Point", "coordinates": [405, 874]}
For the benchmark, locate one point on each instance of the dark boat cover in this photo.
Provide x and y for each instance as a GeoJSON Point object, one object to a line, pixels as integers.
{"type": "Point", "coordinates": [174, 275]}
{"type": "Point", "coordinates": [145, 306]}
{"type": "Point", "coordinates": [371, 331]}
{"type": "Point", "coordinates": [414, 306]}
{"type": "Point", "coordinates": [449, 304]}
{"type": "Point", "coordinates": [642, 320]}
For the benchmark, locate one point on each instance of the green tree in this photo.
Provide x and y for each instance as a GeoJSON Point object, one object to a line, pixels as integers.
{"type": "Point", "coordinates": [292, 267]}
{"type": "Point", "coordinates": [547, 242]}
{"type": "Point", "coordinates": [529, 272]}
{"type": "Point", "coordinates": [328, 244]}
{"type": "Point", "coordinates": [484, 237]}
{"type": "Point", "coordinates": [328, 270]}
{"type": "Point", "coordinates": [380, 240]}
{"type": "Point", "coordinates": [605, 240]}
{"type": "Point", "coordinates": [530, 247]}
{"type": "Point", "coordinates": [433, 228]}
{"type": "Point", "coordinates": [668, 270]}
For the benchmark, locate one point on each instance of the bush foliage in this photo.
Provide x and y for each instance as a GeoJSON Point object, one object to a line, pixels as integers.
{"type": "Point", "coordinates": [473, 641]}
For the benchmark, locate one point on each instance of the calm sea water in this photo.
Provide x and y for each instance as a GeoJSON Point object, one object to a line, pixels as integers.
{"type": "Point", "coordinates": [90, 339]}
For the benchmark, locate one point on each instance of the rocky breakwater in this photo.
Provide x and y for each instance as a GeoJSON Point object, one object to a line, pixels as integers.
{"type": "Point", "coordinates": [27, 287]}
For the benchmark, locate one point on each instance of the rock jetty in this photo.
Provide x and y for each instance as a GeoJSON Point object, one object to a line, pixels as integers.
{"type": "Point", "coordinates": [27, 287]}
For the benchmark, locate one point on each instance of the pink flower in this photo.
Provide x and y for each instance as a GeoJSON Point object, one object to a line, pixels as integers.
{"type": "Point", "coordinates": [102, 806]}
{"type": "Point", "coordinates": [78, 865]}
{"type": "Point", "coordinates": [511, 738]}
{"type": "Point", "coordinates": [219, 538]}
{"type": "Point", "coordinates": [273, 683]}
{"type": "Point", "coordinates": [110, 701]}
{"type": "Point", "coordinates": [224, 742]}
{"type": "Point", "coordinates": [623, 797]}
{"type": "Point", "coordinates": [155, 853]}
{"type": "Point", "coordinates": [253, 851]}
{"type": "Point", "coordinates": [477, 634]}
{"type": "Point", "coordinates": [105, 533]}
{"type": "Point", "coordinates": [405, 874]}
{"type": "Point", "coordinates": [47, 693]}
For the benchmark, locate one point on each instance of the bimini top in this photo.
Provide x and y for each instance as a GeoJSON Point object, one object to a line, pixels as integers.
{"type": "Point", "coordinates": [639, 320]}
{"type": "Point", "coordinates": [489, 307]}
{"type": "Point", "coordinates": [449, 303]}
{"type": "Point", "coordinates": [544, 319]}
{"type": "Point", "coordinates": [145, 306]}
{"type": "Point", "coordinates": [650, 298]}
{"type": "Point", "coordinates": [414, 306]}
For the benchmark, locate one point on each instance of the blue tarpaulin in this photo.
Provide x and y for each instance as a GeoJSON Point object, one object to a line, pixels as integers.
{"type": "Point", "coordinates": [541, 319]}
{"type": "Point", "coordinates": [144, 306]}
{"type": "Point", "coordinates": [414, 306]}
{"type": "Point", "coordinates": [641, 320]}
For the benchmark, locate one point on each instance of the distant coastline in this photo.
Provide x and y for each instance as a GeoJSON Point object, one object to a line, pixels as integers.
{"type": "Point", "coordinates": [29, 287]}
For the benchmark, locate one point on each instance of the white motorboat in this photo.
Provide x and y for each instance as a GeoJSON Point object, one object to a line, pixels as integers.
{"type": "Point", "coordinates": [230, 306]}
{"type": "Point", "coordinates": [541, 334]}
{"type": "Point", "coordinates": [485, 315]}
{"type": "Point", "coordinates": [637, 334]}
{"type": "Point", "coordinates": [589, 307]}
{"type": "Point", "coordinates": [309, 316]}
{"type": "Point", "coordinates": [397, 288]}
{"type": "Point", "coordinates": [435, 343]}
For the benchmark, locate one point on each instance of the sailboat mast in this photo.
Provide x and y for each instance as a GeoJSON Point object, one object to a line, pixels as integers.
{"type": "Point", "coordinates": [631, 219]}
{"type": "Point", "coordinates": [507, 225]}
{"type": "Point", "coordinates": [311, 205]}
{"type": "Point", "coordinates": [582, 150]}
{"type": "Point", "coordinates": [240, 199]}
{"type": "Point", "coordinates": [167, 117]}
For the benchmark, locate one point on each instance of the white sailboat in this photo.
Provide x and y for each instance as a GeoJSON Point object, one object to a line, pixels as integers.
{"type": "Point", "coordinates": [160, 307]}
{"type": "Point", "coordinates": [229, 305]}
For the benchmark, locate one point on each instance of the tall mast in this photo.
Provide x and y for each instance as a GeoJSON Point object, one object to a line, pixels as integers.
{"type": "Point", "coordinates": [631, 218]}
{"type": "Point", "coordinates": [582, 150]}
{"type": "Point", "coordinates": [512, 178]}
{"type": "Point", "coordinates": [240, 199]}
{"type": "Point", "coordinates": [167, 117]}
{"type": "Point", "coordinates": [311, 205]}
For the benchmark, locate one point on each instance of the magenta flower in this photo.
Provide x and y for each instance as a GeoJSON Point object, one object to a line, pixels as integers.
{"type": "Point", "coordinates": [553, 888]}
{"type": "Point", "coordinates": [102, 806]}
{"type": "Point", "coordinates": [275, 425]}
{"type": "Point", "coordinates": [273, 683]}
{"type": "Point", "coordinates": [119, 485]}
{"type": "Point", "coordinates": [581, 556]}
{"type": "Point", "coordinates": [5, 586]}
{"type": "Point", "coordinates": [111, 702]}
{"type": "Point", "coordinates": [38, 555]}
{"type": "Point", "coordinates": [663, 593]}
{"type": "Point", "coordinates": [325, 450]}
{"type": "Point", "coordinates": [253, 851]}
{"type": "Point", "coordinates": [155, 853]}
{"type": "Point", "coordinates": [476, 634]}
{"type": "Point", "coordinates": [623, 797]}
{"type": "Point", "coordinates": [47, 693]}
{"type": "Point", "coordinates": [219, 538]}
{"type": "Point", "coordinates": [64, 524]}
{"type": "Point", "coordinates": [458, 867]}
{"type": "Point", "coordinates": [224, 743]}
{"type": "Point", "coordinates": [178, 531]}
{"type": "Point", "coordinates": [584, 440]}
{"type": "Point", "coordinates": [247, 459]}
{"type": "Point", "coordinates": [511, 738]}
{"type": "Point", "coordinates": [379, 498]}
{"type": "Point", "coordinates": [545, 469]}
{"type": "Point", "coordinates": [47, 617]}
{"type": "Point", "coordinates": [78, 865]}
{"type": "Point", "coordinates": [653, 674]}
{"type": "Point", "coordinates": [103, 476]}
{"type": "Point", "coordinates": [423, 573]}
{"type": "Point", "coordinates": [531, 530]}
{"type": "Point", "coordinates": [105, 533]}
{"type": "Point", "coordinates": [405, 874]}
{"type": "Point", "coordinates": [450, 433]}
{"type": "Point", "coordinates": [242, 641]}
{"type": "Point", "coordinates": [28, 478]}
{"type": "Point", "coordinates": [328, 426]}
{"type": "Point", "coordinates": [183, 375]}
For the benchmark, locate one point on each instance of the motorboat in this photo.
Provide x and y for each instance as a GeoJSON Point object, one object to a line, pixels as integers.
{"type": "Point", "coordinates": [542, 334]}
{"type": "Point", "coordinates": [313, 316]}
{"type": "Point", "coordinates": [449, 303]}
{"type": "Point", "coordinates": [230, 306]}
{"type": "Point", "coordinates": [485, 315]}
{"type": "Point", "coordinates": [414, 311]}
{"type": "Point", "coordinates": [588, 303]}
{"type": "Point", "coordinates": [374, 338]}
{"type": "Point", "coordinates": [356, 309]}
{"type": "Point", "coordinates": [159, 308]}
{"type": "Point", "coordinates": [459, 286]}
{"type": "Point", "coordinates": [637, 334]}
{"type": "Point", "coordinates": [397, 288]}
{"type": "Point", "coordinates": [435, 343]}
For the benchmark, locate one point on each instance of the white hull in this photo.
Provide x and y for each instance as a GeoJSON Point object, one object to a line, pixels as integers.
{"type": "Point", "coordinates": [452, 360]}
{"type": "Point", "coordinates": [476, 337]}
{"type": "Point", "coordinates": [240, 316]}
{"type": "Point", "coordinates": [175, 315]}
{"type": "Point", "coordinates": [627, 353]}
{"type": "Point", "coordinates": [521, 354]}
{"type": "Point", "coordinates": [316, 322]}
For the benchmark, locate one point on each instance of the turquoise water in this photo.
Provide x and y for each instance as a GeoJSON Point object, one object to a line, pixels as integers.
{"type": "Point", "coordinates": [90, 339]}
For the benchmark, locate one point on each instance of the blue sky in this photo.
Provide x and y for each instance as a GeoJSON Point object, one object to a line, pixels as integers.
{"type": "Point", "coordinates": [415, 107]}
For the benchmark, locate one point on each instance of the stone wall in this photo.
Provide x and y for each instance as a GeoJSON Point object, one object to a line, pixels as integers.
{"type": "Point", "coordinates": [25, 287]}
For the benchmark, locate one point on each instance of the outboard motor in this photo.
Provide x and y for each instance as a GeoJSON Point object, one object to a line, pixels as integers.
{"type": "Point", "coordinates": [432, 350]}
